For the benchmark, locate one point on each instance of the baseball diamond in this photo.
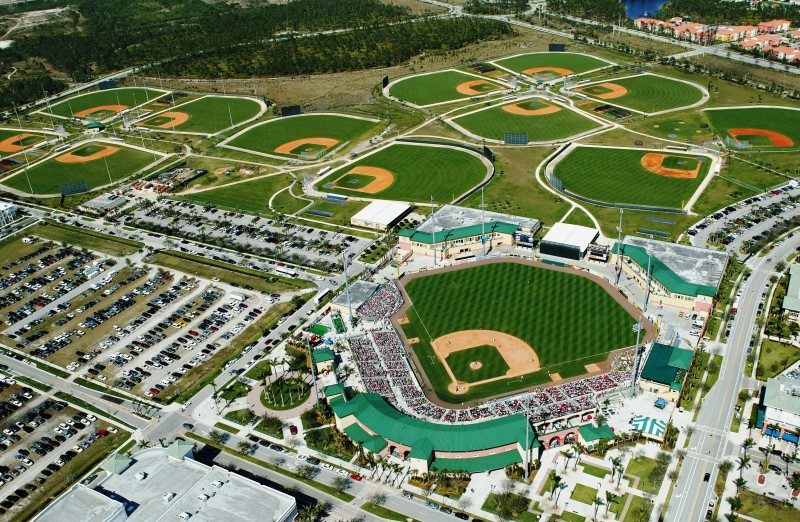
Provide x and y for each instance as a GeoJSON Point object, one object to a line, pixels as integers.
{"type": "Point", "coordinates": [759, 128]}
{"type": "Point", "coordinates": [206, 115]}
{"type": "Point", "coordinates": [551, 64]}
{"type": "Point", "coordinates": [646, 93]}
{"type": "Point", "coordinates": [13, 141]}
{"type": "Point", "coordinates": [440, 87]}
{"type": "Point", "coordinates": [104, 103]}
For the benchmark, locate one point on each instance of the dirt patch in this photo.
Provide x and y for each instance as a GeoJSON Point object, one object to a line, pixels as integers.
{"type": "Point", "coordinates": [413, 340]}
{"type": "Point", "coordinates": [775, 138]}
{"type": "Point", "coordinates": [11, 144]}
{"type": "Point", "coordinates": [100, 108]}
{"type": "Point", "coordinates": [290, 147]}
{"type": "Point", "coordinates": [383, 179]}
{"type": "Point", "coordinates": [70, 157]}
{"type": "Point", "coordinates": [557, 70]}
{"type": "Point", "coordinates": [653, 161]}
{"type": "Point", "coordinates": [614, 91]}
{"type": "Point", "coordinates": [468, 88]}
{"type": "Point", "coordinates": [555, 377]}
{"type": "Point", "coordinates": [593, 368]}
{"type": "Point", "coordinates": [175, 118]}
{"type": "Point", "coordinates": [403, 320]}
{"type": "Point", "coordinates": [515, 108]}
{"type": "Point", "coordinates": [475, 365]}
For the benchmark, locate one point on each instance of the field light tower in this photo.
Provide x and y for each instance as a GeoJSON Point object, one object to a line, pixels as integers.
{"type": "Point", "coordinates": [483, 224]}
{"type": "Point", "coordinates": [636, 356]}
{"type": "Point", "coordinates": [433, 231]}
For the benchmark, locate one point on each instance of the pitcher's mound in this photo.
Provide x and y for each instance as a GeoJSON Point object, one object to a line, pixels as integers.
{"type": "Point", "coordinates": [475, 365]}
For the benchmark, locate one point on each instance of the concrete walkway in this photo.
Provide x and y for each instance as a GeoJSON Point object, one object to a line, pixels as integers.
{"type": "Point", "coordinates": [261, 410]}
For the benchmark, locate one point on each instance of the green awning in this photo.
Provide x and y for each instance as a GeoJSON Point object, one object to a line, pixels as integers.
{"type": "Point", "coordinates": [591, 433]}
{"type": "Point", "coordinates": [334, 389]}
{"type": "Point", "coordinates": [478, 464]}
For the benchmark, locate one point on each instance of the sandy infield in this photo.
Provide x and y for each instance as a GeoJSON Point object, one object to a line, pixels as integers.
{"type": "Point", "coordinates": [776, 138]}
{"type": "Point", "coordinates": [557, 70]}
{"type": "Point", "coordinates": [518, 355]}
{"type": "Point", "coordinates": [11, 144]}
{"type": "Point", "coordinates": [175, 118]}
{"type": "Point", "coordinates": [515, 108]}
{"type": "Point", "coordinates": [615, 91]}
{"type": "Point", "coordinates": [467, 88]}
{"type": "Point", "coordinates": [652, 161]}
{"type": "Point", "coordinates": [99, 108]}
{"type": "Point", "coordinates": [383, 179]}
{"type": "Point", "coordinates": [75, 158]}
{"type": "Point", "coordinates": [288, 147]}
{"type": "Point", "coordinates": [593, 368]}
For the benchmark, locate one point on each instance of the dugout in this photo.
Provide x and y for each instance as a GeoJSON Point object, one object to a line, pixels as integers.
{"type": "Point", "coordinates": [567, 241]}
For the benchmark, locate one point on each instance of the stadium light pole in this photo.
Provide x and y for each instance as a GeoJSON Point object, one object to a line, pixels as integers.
{"type": "Point", "coordinates": [108, 171]}
{"type": "Point", "coordinates": [483, 225]}
{"type": "Point", "coordinates": [636, 357]}
{"type": "Point", "coordinates": [649, 277]}
{"type": "Point", "coordinates": [433, 231]}
{"type": "Point", "coordinates": [619, 246]}
{"type": "Point", "coordinates": [347, 286]}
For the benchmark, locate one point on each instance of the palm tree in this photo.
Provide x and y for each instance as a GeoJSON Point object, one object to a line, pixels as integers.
{"type": "Point", "coordinates": [600, 419]}
{"type": "Point", "coordinates": [561, 488]}
{"type": "Point", "coordinates": [616, 463]}
{"type": "Point", "coordinates": [596, 502]}
{"type": "Point", "coordinates": [610, 499]}
{"type": "Point", "coordinates": [735, 502]}
{"type": "Point", "coordinates": [742, 463]}
{"type": "Point", "coordinates": [794, 481]}
{"type": "Point", "coordinates": [567, 455]}
{"type": "Point", "coordinates": [740, 483]}
{"type": "Point", "coordinates": [788, 458]}
{"type": "Point", "coordinates": [556, 482]}
{"type": "Point", "coordinates": [747, 444]}
{"type": "Point", "coordinates": [577, 450]}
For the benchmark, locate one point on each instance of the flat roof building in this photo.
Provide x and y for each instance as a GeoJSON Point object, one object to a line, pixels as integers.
{"type": "Point", "coordinates": [780, 407]}
{"type": "Point", "coordinates": [665, 369]}
{"type": "Point", "coordinates": [791, 301]}
{"type": "Point", "coordinates": [569, 241]}
{"type": "Point", "coordinates": [167, 484]}
{"type": "Point", "coordinates": [380, 215]}
{"type": "Point", "coordinates": [8, 213]}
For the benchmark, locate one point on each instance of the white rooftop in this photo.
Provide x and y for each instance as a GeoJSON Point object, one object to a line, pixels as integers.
{"type": "Point", "coordinates": [360, 291]}
{"type": "Point", "coordinates": [84, 504]}
{"type": "Point", "coordinates": [449, 217]}
{"type": "Point", "coordinates": [572, 235]}
{"type": "Point", "coordinates": [382, 212]}
{"type": "Point", "coordinates": [6, 206]}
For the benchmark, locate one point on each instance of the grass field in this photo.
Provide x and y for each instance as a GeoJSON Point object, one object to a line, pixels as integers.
{"type": "Point", "coordinates": [48, 177]}
{"type": "Point", "coordinates": [648, 93]}
{"type": "Point", "coordinates": [568, 319]}
{"type": "Point", "coordinates": [577, 63]}
{"type": "Point", "coordinates": [266, 137]}
{"type": "Point", "coordinates": [114, 245]}
{"type": "Point", "coordinates": [784, 121]}
{"type": "Point", "coordinates": [617, 176]}
{"type": "Point", "coordinates": [493, 364]}
{"type": "Point", "coordinates": [127, 96]}
{"type": "Point", "coordinates": [438, 87]}
{"type": "Point", "coordinates": [249, 196]}
{"type": "Point", "coordinates": [420, 171]}
{"type": "Point", "coordinates": [494, 122]}
{"type": "Point", "coordinates": [208, 115]}
{"type": "Point", "coordinates": [28, 140]}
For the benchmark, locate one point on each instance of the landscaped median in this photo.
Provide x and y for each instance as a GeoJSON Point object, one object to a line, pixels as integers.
{"type": "Point", "coordinates": [94, 409]}
{"type": "Point", "coordinates": [84, 237]}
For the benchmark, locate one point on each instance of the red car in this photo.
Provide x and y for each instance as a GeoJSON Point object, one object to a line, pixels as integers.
{"type": "Point", "coordinates": [154, 391]}
{"type": "Point", "coordinates": [293, 429]}
{"type": "Point", "coordinates": [355, 476]}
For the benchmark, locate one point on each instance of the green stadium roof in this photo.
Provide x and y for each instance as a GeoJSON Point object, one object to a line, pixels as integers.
{"type": "Point", "coordinates": [323, 355]}
{"type": "Point", "coordinates": [371, 443]}
{"type": "Point", "coordinates": [334, 389]}
{"type": "Point", "coordinates": [478, 464]}
{"type": "Point", "coordinates": [591, 433]}
{"type": "Point", "coordinates": [667, 365]}
{"type": "Point", "coordinates": [382, 418]}
{"type": "Point", "coordinates": [457, 233]}
{"type": "Point", "coordinates": [663, 274]}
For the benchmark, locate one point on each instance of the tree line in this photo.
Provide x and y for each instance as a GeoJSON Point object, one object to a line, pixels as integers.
{"type": "Point", "coordinates": [495, 7]}
{"type": "Point", "coordinates": [729, 11]}
{"type": "Point", "coordinates": [600, 10]}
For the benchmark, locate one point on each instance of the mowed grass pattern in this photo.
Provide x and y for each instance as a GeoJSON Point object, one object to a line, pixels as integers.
{"type": "Point", "coordinates": [47, 177]}
{"type": "Point", "coordinates": [492, 364]}
{"type": "Point", "coordinates": [212, 114]}
{"type": "Point", "coordinates": [420, 171]}
{"type": "Point", "coordinates": [569, 320]}
{"type": "Point", "coordinates": [494, 122]}
{"type": "Point", "coordinates": [249, 196]}
{"type": "Point", "coordinates": [785, 121]}
{"type": "Point", "coordinates": [128, 96]}
{"type": "Point", "coordinates": [577, 63]}
{"type": "Point", "coordinates": [434, 88]}
{"type": "Point", "coordinates": [617, 176]}
{"type": "Point", "coordinates": [26, 142]}
{"type": "Point", "coordinates": [649, 93]}
{"type": "Point", "coordinates": [266, 137]}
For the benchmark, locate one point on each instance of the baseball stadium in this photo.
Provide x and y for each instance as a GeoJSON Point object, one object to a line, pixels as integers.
{"type": "Point", "coordinates": [304, 136]}
{"type": "Point", "coordinates": [441, 87]}
{"type": "Point", "coordinates": [540, 119]}
{"type": "Point", "coordinates": [88, 165]}
{"type": "Point", "coordinates": [645, 93]}
{"type": "Point", "coordinates": [612, 175]}
{"type": "Point", "coordinates": [406, 171]}
{"type": "Point", "coordinates": [551, 65]}
{"type": "Point", "coordinates": [205, 115]}
{"type": "Point", "coordinates": [757, 128]}
{"type": "Point", "coordinates": [13, 141]}
{"type": "Point", "coordinates": [103, 104]}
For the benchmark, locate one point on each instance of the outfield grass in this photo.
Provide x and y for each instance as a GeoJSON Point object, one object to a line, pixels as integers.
{"type": "Point", "coordinates": [25, 142]}
{"type": "Point", "coordinates": [420, 171]}
{"type": "Point", "coordinates": [49, 176]}
{"type": "Point", "coordinates": [210, 114]}
{"type": "Point", "coordinates": [267, 136]}
{"type": "Point", "coordinates": [437, 87]}
{"type": "Point", "coordinates": [249, 196]}
{"type": "Point", "coordinates": [493, 364]}
{"type": "Point", "coordinates": [617, 176]}
{"type": "Point", "coordinates": [575, 62]}
{"type": "Point", "coordinates": [494, 122]}
{"type": "Point", "coordinates": [128, 96]}
{"type": "Point", "coordinates": [538, 305]}
{"type": "Point", "coordinates": [785, 121]}
{"type": "Point", "coordinates": [649, 93]}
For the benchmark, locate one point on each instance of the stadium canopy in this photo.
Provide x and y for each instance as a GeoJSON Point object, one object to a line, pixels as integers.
{"type": "Point", "coordinates": [453, 234]}
{"type": "Point", "coordinates": [649, 426]}
{"type": "Point", "coordinates": [566, 240]}
{"type": "Point", "coordinates": [667, 365]}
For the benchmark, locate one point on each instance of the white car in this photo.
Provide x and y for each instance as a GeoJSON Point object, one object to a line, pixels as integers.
{"type": "Point", "coordinates": [112, 429]}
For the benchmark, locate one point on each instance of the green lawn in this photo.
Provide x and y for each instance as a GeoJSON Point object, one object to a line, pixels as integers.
{"type": "Point", "coordinates": [285, 394]}
{"type": "Point", "coordinates": [639, 510]}
{"type": "Point", "coordinates": [51, 175]}
{"type": "Point", "coordinates": [579, 217]}
{"type": "Point", "coordinates": [243, 417]}
{"type": "Point", "coordinates": [127, 96]}
{"type": "Point", "coordinates": [209, 114]}
{"type": "Point", "coordinates": [420, 171]}
{"type": "Point", "coordinates": [584, 494]}
{"type": "Point", "coordinates": [649, 93]}
{"type": "Point", "coordinates": [438, 87]}
{"type": "Point", "coordinates": [267, 136]}
{"type": "Point", "coordinates": [260, 370]}
{"type": "Point", "coordinates": [575, 62]}
{"type": "Point", "coordinates": [494, 122]}
{"type": "Point", "coordinates": [493, 364]}
{"type": "Point", "coordinates": [617, 176]}
{"type": "Point", "coordinates": [535, 304]}
{"type": "Point", "coordinates": [86, 238]}
{"type": "Point", "coordinates": [249, 196]}
{"type": "Point", "coordinates": [765, 508]}
{"type": "Point", "coordinates": [383, 512]}
{"type": "Point", "coordinates": [595, 471]}
{"type": "Point", "coordinates": [641, 467]}
{"type": "Point", "coordinates": [774, 358]}
{"type": "Point", "coordinates": [785, 121]}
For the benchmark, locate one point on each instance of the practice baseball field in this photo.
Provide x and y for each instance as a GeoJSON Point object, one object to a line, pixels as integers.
{"type": "Point", "coordinates": [646, 93]}
{"type": "Point", "coordinates": [99, 105]}
{"type": "Point", "coordinates": [442, 86]}
{"type": "Point", "coordinates": [757, 127]}
{"type": "Point", "coordinates": [205, 115]}
{"type": "Point", "coordinates": [13, 141]}
{"type": "Point", "coordinates": [552, 65]}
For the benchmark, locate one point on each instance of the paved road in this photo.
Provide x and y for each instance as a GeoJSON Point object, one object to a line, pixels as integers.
{"type": "Point", "coordinates": [709, 445]}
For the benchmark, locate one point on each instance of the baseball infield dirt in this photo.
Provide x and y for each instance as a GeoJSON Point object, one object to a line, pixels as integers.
{"type": "Point", "coordinates": [290, 147]}
{"type": "Point", "coordinates": [383, 178]}
{"type": "Point", "coordinates": [11, 144]}
{"type": "Point", "coordinates": [468, 88]}
{"type": "Point", "coordinates": [653, 162]}
{"type": "Point", "coordinates": [69, 157]}
{"type": "Point", "coordinates": [100, 108]}
{"type": "Point", "coordinates": [614, 91]}
{"type": "Point", "coordinates": [557, 70]}
{"type": "Point", "coordinates": [515, 108]}
{"type": "Point", "coordinates": [175, 118]}
{"type": "Point", "coordinates": [776, 138]}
